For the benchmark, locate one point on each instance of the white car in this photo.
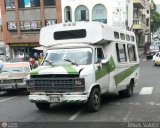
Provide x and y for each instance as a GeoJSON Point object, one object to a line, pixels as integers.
{"type": "Point", "coordinates": [156, 59]}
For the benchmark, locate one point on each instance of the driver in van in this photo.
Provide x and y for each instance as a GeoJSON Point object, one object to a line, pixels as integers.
{"type": "Point", "coordinates": [100, 55]}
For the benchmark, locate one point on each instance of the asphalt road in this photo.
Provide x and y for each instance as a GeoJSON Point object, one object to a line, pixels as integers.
{"type": "Point", "coordinates": [115, 111]}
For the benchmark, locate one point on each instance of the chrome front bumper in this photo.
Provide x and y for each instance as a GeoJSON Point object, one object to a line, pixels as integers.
{"type": "Point", "coordinates": [12, 86]}
{"type": "Point", "coordinates": [58, 98]}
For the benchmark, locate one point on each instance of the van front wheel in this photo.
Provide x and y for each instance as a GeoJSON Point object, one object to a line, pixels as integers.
{"type": "Point", "coordinates": [43, 106]}
{"type": "Point", "coordinates": [94, 100]}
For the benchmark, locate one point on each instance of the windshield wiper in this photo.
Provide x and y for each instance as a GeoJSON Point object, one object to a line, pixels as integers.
{"type": "Point", "coordinates": [16, 70]}
{"type": "Point", "coordinates": [68, 60]}
{"type": "Point", "coordinates": [4, 71]}
{"type": "Point", "coordinates": [49, 61]}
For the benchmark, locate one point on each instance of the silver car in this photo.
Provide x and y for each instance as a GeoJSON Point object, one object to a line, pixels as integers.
{"type": "Point", "coordinates": [13, 76]}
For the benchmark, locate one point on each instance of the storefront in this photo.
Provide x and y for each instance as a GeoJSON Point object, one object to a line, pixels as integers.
{"type": "Point", "coordinates": [23, 50]}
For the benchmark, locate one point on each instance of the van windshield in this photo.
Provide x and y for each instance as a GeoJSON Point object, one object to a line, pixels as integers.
{"type": "Point", "coordinates": [79, 56]}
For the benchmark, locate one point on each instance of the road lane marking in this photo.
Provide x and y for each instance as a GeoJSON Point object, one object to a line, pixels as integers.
{"type": "Point", "coordinates": [157, 104]}
{"type": "Point", "coordinates": [146, 91]}
{"type": "Point", "coordinates": [125, 119]}
{"type": "Point", "coordinates": [8, 99]}
{"type": "Point", "coordinates": [74, 116]}
{"type": "Point", "coordinates": [151, 103]}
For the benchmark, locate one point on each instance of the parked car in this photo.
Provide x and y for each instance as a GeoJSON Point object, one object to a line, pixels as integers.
{"type": "Point", "coordinates": [13, 76]}
{"type": "Point", "coordinates": [151, 51]}
{"type": "Point", "coordinates": [156, 59]}
{"type": "Point", "coordinates": [19, 60]}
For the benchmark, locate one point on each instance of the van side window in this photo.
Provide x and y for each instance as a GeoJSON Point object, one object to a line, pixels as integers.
{"type": "Point", "coordinates": [131, 53]}
{"type": "Point", "coordinates": [116, 35]}
{"type": "Point", "coordinates": [99, 55]}
{"type": "Point", "coordinates": [121, 52]}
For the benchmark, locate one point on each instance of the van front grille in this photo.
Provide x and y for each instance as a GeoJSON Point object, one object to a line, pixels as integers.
{"type": "Point", "coordinates": [52, 84]}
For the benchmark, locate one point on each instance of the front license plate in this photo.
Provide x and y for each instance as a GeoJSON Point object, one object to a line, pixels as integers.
{"type": "Point", "coordinates": [54, 99]}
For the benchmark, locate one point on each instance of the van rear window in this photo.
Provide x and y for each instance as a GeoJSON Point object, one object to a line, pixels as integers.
{"type": "Point", "coordinates": [70, 34]}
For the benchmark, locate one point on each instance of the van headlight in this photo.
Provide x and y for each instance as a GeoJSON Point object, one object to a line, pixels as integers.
{"type": "Point", "coordinates": [79, 85]}
{"type": "Point", "coordinates": [30, 86]}
{"type": "Point", "coordinates": [79, 82]}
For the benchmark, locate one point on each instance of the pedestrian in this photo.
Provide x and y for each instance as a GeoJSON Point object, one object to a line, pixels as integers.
{"type": "Point", "coordinates": [40, 58]}
{"type": "Point", "coordinates": [33, 64]}
{"type": "Point", "coordinates": [35, 55]}
{"type": "Point", "coordinates": [145, 47]}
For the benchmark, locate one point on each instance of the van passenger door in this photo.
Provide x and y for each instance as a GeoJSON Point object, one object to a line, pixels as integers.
{"type": "Point", "coordinates": [101, 69]}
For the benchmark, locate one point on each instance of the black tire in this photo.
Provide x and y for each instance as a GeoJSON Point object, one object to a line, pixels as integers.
{"type": "Point", "coordinates": [43, 106]}
{"type": "Point", "coordinates": [154, 63]}
{"type": "Point", "coordinates": [26, 92]}
{"type": "Point", "coordinates": [94, 100]}
{"type": "Point", "coordinates": [121, 93]}
{"type": "Point", "coordinates": [147, 57]}
{"type": "Point", "coordinates": [128, 92]}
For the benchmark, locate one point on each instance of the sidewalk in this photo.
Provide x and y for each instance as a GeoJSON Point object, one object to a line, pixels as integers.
{"type": "Point", "coordinates": [140, 51]}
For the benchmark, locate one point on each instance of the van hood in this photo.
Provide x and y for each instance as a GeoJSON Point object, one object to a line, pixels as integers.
{"type": "Point", "coordinates": [65, 69]}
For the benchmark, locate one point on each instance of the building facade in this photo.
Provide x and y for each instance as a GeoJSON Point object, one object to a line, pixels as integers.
{"type": "Point", "coordinates": [22, 21]}
{"type": "Point", "coordinates": [126, 14]}
{"type": "Point", "coordinates": [1, 34]}
{"type": "Point", "coordinates": [2, 45]}
{"type": "Point", "coordinates": [141, 21]}
{"type": "Point", "coordinates": [115, 13]}
{"type": "Point", "coordinates": [148, 35]}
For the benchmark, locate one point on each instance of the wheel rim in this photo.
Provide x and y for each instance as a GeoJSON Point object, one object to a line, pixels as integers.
{"type": "Point", "coordinates": [96, 100]}
{"type": "Point", "coordinates": [130, 90]}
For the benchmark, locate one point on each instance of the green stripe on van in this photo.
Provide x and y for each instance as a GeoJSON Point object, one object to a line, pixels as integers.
{"type": "Point", "coordinates": [124, 74]}
{"type": "Point", "coordinates": [36, 71]}
{"type": "Point", "coordinates": [107, 68]}
{"type": "Point", "coordinates": [70, 70]}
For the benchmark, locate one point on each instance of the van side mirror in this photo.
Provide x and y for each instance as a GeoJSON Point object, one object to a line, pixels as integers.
{"type": "Point", "coordinates": [104, 61]}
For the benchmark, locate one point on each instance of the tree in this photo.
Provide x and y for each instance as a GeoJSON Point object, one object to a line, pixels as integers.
{"type": "Point", "coordinates": [155, 18]}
